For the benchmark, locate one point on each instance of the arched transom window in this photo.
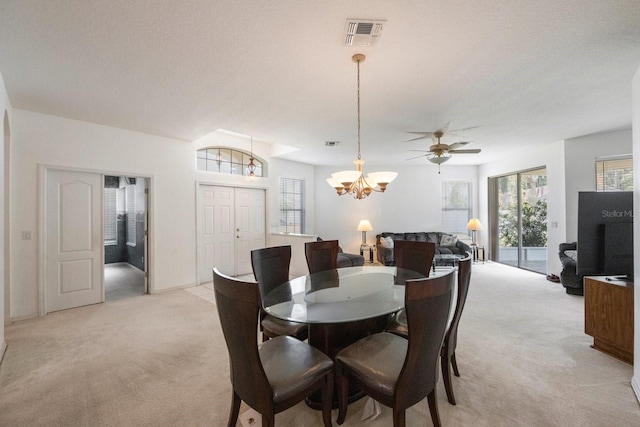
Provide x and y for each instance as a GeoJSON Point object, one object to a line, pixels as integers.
{"type": "Point", "coordinates": [226, 160]}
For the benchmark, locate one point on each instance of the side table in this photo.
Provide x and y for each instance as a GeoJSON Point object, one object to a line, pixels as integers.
{"type": "Point", "coordinates": [478, 253]}
{"type": "Point", "coordinates": [363, 250]}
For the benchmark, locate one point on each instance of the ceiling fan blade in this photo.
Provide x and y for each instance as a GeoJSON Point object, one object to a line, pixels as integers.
{"type": "Point", "coordinates": [423, 135]}
{"type": "Point", "coordinates": [458, 144]}
{"type": "Point", "coordinates": [417, 157]}
{"type": "Point", "coordinates": [463, 129]}
{"type": "Point", "coordinates": [444, 128]}
{"type": "Point", "coordinates": [421, 151]}
{"type": "Point", "coordinates": [469, 151]}
{"type": "Point", "coordinates": [418, 138]}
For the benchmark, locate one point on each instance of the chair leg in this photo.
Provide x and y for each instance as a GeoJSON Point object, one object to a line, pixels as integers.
{"type": "Point", "coordinates": [343, 393]}
{"type": "Point", "coordinates": [433, 408]}
{"type": "Point", "coordinates": [268, 420]}
{"type": "Point", "coordinates": [399, 419]}
{"type": "Point", "coordinates": [235, 409]}
{"type": "Point", "coordinates": [454, 364]}
{"type": "Point", "coordinates": [446, 376]}
{"type": "Point", "coordinates": [327, 399]}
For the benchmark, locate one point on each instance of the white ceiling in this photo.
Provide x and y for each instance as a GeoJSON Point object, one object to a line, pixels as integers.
{"type": "Point", "coordinates": [524, 72]}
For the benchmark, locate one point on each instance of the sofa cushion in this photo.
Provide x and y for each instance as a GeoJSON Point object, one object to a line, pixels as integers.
{"type": "Point", "coordinates": [448, 240]}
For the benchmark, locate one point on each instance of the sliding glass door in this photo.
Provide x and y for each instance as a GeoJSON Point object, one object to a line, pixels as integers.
{"type": "Point", "coordinates": [519, 219]}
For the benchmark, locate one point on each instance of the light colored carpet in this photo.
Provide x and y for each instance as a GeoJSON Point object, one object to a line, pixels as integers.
{"type": "Point", "coordinates": [160, 360]}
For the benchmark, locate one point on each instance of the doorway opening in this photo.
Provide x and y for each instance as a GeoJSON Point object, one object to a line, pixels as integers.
{"type": "Point", "coordinates": [125, 237]}
{"type": "Point", "coordinates": [518, 215]}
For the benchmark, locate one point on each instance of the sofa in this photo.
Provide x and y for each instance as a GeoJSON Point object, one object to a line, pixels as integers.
{"type": "Point", "coordinates": [572, 282]}
{"type": "Point", "coordinates": [446, 244]}
{"type": "Point", "coordinates": [347, 260]}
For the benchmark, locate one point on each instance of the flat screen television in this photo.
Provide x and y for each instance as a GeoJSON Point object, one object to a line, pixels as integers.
{"type": "Point", "coordinates": [605, 234]}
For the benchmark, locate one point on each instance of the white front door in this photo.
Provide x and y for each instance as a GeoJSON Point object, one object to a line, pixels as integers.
{"type": "Point", "coordinates": [249, 227]}
{"type": "Point", "coordinates": [230, 224]}
{"type": "Point", "coordinates": [215, 231]}
{"type": "Point", "coordinates": [73, 239]}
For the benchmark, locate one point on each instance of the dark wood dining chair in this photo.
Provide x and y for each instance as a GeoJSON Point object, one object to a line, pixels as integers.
{"type": "Point", "coordinates": [448, 352]}
{"type": "Point", "coordinates": [400, 372]}
{"type": "Point", "coordinates": [416, 256]}
{"type": "Point", "coordinates": [271, 269]}
{"type": "Point", "coordinates": [280, 372]}
{"type": "Point", "coordinates": [321, 256]}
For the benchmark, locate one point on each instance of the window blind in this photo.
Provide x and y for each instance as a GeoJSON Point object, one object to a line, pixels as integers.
{"type": "Point", "coordinates": [110, 217]}
{"type": "Point", "coordinates": [614, 174]}
{"type": "Point", "coordinates": [456, 206]}
{"type": "Point", "coordinates": [131, 214]}
{"type": "Point", "coordinates": [292, 218]}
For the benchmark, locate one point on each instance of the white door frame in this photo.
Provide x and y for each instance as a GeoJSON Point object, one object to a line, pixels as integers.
{"type": "Point", "coordinates": [200, 184]}
{"type": "Point", "coordinates": [42, 189]}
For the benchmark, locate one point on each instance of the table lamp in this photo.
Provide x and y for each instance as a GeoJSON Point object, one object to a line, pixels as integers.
{"type": "Point", "coordinates": [474, 225]}
{"type": "Point", "coordinates": [364, 226]}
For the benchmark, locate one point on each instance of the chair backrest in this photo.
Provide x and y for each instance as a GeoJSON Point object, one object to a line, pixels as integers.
{"type": "Point", "coordinates": [322, 255]}
{"type": "Point", "coordinates": [416, 256]}
{"type": "Point", "coordinates": [238, 303]}
{"type": "Point", "coordinates": [271, 267]}
{"type": "Point", "coordinates": [464, 278]}
{"type": "Point", "coordinates": [427, 306]}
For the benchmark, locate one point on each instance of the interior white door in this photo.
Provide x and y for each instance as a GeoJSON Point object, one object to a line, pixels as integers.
{"type": "Point", "coordinates": [215, 231]}
{"type": "Point", "coordinates": [73, 239]}
{"type": "Point", "coordinates": [250, 232]}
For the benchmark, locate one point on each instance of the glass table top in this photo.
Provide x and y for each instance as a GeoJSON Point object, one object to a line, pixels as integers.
{"type": "Point", "coordinates": [342, 295]}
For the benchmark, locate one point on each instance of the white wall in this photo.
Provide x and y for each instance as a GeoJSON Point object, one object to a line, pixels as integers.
{"type": "Point", "coordinates": [580, 154]}
{"type": "Point", "coordinates": [6, 113]}
{"type": "Point", "coordinates": [550, 156]}
{"type": "Point", "coordinates": [169, 164]}
{"type": "Point", "coordinates": [635, 381]}
{"type": "Point", "coordinates": [412, 202]}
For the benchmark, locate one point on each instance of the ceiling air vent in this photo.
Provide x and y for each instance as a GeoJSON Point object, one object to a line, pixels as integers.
{"type": "Point", "coordinates": [363, 32]}
{"type": "Point", "coordinates": [331, 143]}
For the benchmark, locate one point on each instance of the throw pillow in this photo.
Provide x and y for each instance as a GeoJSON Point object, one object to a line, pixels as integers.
{"type": "Point", "coordinates": [386, 242]}
{"type": "Point", "coordinates": [572, 254]}
{"type": "Point", "coordinates": [448, 240]}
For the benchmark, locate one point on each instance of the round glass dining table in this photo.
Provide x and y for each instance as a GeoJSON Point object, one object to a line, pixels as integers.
{"type": "Point", "coordinates": [342, 306]}
{"type": "Point", "coordinates": [340, 295]}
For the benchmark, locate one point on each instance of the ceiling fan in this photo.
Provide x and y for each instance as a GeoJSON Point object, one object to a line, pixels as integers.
{"type": "Point", "coordinates": [439, 153]}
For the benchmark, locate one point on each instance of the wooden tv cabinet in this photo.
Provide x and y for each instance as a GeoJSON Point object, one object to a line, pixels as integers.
{"type": "Point", "coordinates": [608, 316]}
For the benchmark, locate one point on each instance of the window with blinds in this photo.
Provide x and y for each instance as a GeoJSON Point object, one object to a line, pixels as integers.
{"type": "Point", "coordinates": [292, 206]}
{"type": "Point", "coordinates": [110, 217]}
{"type": "Point", "coordinates": [130, 194]}
{"type": "Point", "coordinates": [614, 174]}
{"type": "Point", "coordinates": [456, 206]}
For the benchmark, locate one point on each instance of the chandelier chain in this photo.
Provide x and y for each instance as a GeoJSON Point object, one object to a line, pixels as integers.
{"type": "Point", "coordinates": [359, 156]}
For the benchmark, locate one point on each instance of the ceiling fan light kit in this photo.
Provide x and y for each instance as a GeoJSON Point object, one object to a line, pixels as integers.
{"type": "Point", "coordinates": [354, 182]}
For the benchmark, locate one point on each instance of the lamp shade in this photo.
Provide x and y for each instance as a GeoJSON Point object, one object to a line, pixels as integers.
{"type": "Point", "coordinates": [346, 176]}
{"type": "Point", "coordinates": [365, 225]}
{"type": "Point", "coordinates": [474, 224]}
{"type": "Point", "coordinates": [382, 177]}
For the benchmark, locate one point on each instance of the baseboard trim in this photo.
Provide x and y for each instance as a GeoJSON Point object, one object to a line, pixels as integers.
{"type": "Point", "coordinates": [635, 385]}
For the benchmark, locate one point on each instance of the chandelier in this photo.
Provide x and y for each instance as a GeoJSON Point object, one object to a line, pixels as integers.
{"type": "Point", "coordinates": [251, 167]}
{"type": "Point", "coordinates": [353, 181]}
